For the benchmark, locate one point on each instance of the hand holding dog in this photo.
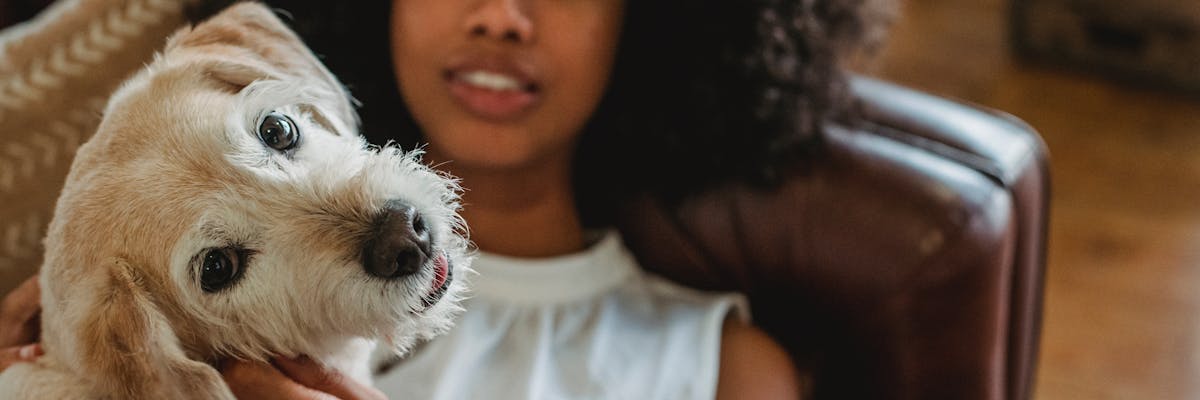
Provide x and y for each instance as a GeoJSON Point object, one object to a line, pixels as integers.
{"type": "Point", "coordinates": [283, 379]}
{"type": "Point", "coordinates": [293, 379]}
{"type": "Point", "coordinates": [19, 324]}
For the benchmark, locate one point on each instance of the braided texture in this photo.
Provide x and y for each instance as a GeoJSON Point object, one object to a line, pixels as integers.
{"type": "Point", "coordinates": [56, 73]}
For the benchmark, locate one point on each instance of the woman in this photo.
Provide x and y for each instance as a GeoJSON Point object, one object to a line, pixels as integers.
{"type": "Point", "coordinates": [549, 112]}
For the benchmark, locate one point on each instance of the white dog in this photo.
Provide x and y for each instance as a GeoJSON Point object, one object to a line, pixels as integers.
{"type": "Point", "coordinates": [226, 208]}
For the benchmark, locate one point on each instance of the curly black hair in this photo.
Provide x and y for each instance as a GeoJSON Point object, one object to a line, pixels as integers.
{"type": "Point", "coordinates": [703, 91]}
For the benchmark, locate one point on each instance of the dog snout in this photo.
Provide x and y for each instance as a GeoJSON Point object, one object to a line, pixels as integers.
{"type": "Point", "coordinates": [400, 245]}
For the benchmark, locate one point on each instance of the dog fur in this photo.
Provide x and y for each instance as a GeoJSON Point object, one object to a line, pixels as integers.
{"type": "Point", "coordinates": [175, 168]}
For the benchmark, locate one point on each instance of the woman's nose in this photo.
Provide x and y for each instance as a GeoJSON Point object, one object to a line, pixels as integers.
{"type": "Point", "coordinates": [503, 20]}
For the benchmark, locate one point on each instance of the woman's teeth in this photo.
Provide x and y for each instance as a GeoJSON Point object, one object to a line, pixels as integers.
{"type": "Point", "coordinates": [490, 80]}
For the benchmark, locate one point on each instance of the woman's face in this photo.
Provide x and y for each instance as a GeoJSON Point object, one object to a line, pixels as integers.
{"type": "Point", "coordinates": [501, 84]}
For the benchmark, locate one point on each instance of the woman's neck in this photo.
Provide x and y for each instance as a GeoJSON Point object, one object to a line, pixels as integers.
{"type": "Point", "coordinates": [527, 212]}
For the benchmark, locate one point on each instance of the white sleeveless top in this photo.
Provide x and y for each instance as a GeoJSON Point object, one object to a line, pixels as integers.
{"type": "Point", "coordinates": [590, 325]}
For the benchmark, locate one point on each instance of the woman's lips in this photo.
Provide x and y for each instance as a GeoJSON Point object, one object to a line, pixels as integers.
{"type": "Point", "coordinates": [492, 93]}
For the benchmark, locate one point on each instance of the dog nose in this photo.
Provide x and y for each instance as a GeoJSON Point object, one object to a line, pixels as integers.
{"type": "Point", "coordinates": [400, 246]}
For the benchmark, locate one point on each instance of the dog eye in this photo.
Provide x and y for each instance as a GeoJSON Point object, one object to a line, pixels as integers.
{"type": "Point", "coordinates": [220, 268]}
{"type": "Point", "coordinates": [278, 132]}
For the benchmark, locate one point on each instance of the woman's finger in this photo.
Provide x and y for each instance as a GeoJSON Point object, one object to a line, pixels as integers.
{"type": "Point", "coordinates": [19, 314]}
{"type": "Point", "coordinates": [13, 355]}
{"type": "Point", "coordinates": [308, 373]}
{"type": "Point", "coordinates": [255, 380]}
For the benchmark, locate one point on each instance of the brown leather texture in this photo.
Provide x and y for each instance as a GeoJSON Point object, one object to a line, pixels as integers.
{"type": "Point", "coordinates": [906, 262]}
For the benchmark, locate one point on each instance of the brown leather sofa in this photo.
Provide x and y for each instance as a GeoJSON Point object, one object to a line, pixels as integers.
{"type": "Point", "coordinates": [907, 263]}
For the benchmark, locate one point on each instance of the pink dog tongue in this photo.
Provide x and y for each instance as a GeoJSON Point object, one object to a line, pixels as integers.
{"type": "Point", "coordinates": [441, 271]}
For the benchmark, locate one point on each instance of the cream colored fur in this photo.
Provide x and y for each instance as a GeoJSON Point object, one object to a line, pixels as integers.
{"type": "Point", "coordinates": [176, 168]}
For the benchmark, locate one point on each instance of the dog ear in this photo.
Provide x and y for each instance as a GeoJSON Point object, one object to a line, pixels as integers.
{"type": "Point", "coordinates": [247, 42]}
{"type": "Point", "coordinates": [130, 350]}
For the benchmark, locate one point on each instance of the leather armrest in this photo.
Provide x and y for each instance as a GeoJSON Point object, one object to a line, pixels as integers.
{"type": "Point", "coordinates": [894, 266]}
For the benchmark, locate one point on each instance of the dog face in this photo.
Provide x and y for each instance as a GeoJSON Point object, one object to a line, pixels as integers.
{"type": "Point", "coordinates": [225, 207]}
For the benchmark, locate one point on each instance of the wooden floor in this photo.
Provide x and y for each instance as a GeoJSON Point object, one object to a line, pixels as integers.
{"type": "Point", "coordinates": [1123, 301]}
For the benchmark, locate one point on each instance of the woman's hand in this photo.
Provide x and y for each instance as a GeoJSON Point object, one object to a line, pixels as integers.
{"type": "Point", "coordinates": [19, 324]}
{"type": "Point", "coordinates": [16, 354]}
{"type": "Point", "coordinates": [293, 379]}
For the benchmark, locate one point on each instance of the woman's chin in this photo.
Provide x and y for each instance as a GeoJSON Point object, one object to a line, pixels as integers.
{"type": "Point", "coordinates": [492, 152]}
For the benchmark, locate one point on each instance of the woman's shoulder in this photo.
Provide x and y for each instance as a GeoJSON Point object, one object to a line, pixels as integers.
{"type": "Point", "coordinates": [754, 366]}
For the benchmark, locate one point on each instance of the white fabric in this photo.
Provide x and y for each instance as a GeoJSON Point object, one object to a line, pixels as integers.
{"type": "Point", "coordinates": [590, 325]}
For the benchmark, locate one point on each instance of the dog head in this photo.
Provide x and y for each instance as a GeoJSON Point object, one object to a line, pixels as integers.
{"type": "Point", "coordinates": [227, 208]}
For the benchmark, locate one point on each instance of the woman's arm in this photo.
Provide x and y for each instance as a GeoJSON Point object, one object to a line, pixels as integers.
{"type": "Point", "coordinates": [753, 366]}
